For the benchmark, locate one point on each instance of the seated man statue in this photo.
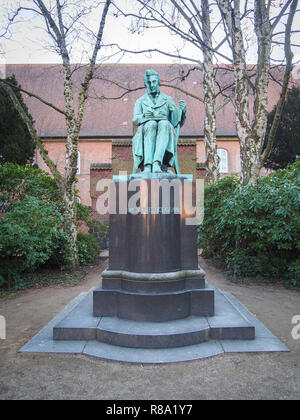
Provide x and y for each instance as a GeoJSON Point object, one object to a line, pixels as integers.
{"type": "Point", "coordinates": [154, 145]}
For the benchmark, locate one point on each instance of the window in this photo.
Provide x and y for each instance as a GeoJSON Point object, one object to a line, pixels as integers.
{"type": "Point", "coordinates": [78, 163]}
{"type": "Point", "coordinates": [223, 166]}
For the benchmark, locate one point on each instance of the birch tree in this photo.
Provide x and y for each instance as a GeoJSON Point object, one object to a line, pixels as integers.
{"type": "Point", "coordinates": [60, 19]}
{"type": "Point", "coordinates": [210, 138]}
{"type": "Point", "coordinates": [251, 128]}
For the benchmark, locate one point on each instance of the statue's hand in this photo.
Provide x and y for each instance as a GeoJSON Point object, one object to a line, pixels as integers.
{"type": "Point", "coordinates": [149, 114]}
{"type": "Point", "coordinates": [182, 105]}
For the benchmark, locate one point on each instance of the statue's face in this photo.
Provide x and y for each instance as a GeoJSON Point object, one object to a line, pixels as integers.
{"type": "Point", "coordinates": [152, 84]}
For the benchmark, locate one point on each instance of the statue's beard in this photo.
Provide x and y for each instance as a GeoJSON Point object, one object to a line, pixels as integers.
{"type": "Point", "coordinates": [152, 92]}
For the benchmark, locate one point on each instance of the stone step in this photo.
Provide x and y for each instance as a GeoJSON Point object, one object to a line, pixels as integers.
{"type": "Point", "coordinates": [157, 307]}
{"type": "Point", "coordinates": [228, 324]}
{"type": "Point", "coordinates": [125, 333]}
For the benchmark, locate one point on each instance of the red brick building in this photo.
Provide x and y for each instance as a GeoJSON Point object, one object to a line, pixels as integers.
{"type": "Point", "coordinates": [105, 137]}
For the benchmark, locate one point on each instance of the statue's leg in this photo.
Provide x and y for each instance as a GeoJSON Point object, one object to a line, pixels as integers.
{"type": "Point", "coordinates": [162, 140]}
{"type": "Point", "coordinates": [149, 135]}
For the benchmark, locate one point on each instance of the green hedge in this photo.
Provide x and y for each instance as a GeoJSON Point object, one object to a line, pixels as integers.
{"type": "Point", "coordinates": [255, 230]}
{"type": "Point", "coordinates": [88, 248]}
{"type": "Point", "coordinates": [31, 234]}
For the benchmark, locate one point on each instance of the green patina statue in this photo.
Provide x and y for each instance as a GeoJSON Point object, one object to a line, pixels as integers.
{"type": "Point", "coordinates": [158, 119]}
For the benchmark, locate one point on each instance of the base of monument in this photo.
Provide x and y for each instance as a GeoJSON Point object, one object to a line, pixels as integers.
{"type": "Point", "coordinates": [78, 314]}
{"type": "Point", "coordinates": [153, 297]}
{"type": "Point", "coordinates": [227, 324]}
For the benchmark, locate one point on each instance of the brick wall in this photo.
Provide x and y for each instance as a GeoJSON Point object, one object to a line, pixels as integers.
{"type": "Point", "coordinates": [97, 173]}
{"type": "Point", "coordinates": [200, 170]}
{"type": "Point", "coordinates": [186, 153]}
{"type": "Point", "coordinates": [122, 159]}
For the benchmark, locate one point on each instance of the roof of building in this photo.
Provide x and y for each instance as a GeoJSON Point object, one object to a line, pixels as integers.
{"type": "Point", "coordinates": [113, 117]}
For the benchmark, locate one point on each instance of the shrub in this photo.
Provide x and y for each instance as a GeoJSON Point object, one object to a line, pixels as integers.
{"type": "Point", "coordinates": [88, 248]}
{"type": "Point", "coordinates": [255, 229]}
{"type": "Point", "coordinates": [100, 230]}
{"type": "Point", "coordinates": [18, 181]}
{"type": "Point", "coordinates": [292, 276]}
{"type": "Point", "coordinates": [29, 234]}
{"type": "Point", "coordinates": [214, 234]}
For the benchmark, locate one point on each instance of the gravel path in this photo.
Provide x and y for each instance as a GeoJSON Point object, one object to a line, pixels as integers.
{"type": "Point", "coordinates": [228, 376]}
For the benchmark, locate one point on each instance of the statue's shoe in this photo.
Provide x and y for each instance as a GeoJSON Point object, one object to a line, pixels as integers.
{"type": "Point", "coordinates": [147, 168]}
{"type": "Point", "coordinates": [156, 167]}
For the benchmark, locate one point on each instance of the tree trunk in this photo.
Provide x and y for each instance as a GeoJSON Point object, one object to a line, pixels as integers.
{"type": "Point", "coordinates": [210, 141]}
{"type": "Point", "coordinates": [70, 227]}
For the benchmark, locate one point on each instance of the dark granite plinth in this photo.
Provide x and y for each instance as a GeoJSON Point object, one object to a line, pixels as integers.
{"type": "Point", "coordinates": [153, 272]}
{"type": "Point", "coordinates": [158, 307]}
{"type": "Point", "coordinates": [153, 282]}
{"type": "Point", "coordinates": [152, 236]}
{"type": "Point", "coordinates": [229, 323]}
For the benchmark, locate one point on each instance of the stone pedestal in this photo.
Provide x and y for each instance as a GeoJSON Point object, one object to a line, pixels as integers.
{"type": "Point", "coordinates": [153, 272]}
{"type": "Point", "coordinates": [152, 301]}
{"type": "Point", "coordinates": [153, 294]}
{"type": "Point", "coordinates": [148, 232]}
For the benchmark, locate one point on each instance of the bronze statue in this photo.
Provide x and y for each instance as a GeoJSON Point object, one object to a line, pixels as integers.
{"type": "Point", "coordinates": [159, 120]}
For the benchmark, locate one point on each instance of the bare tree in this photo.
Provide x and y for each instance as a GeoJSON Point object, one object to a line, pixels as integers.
{"type": "Point", "coordinates": [60, 20]}
{"type": "Point", "coordinates": [192, 25]}
{"type": "Point", "coordinates": [251, 130]}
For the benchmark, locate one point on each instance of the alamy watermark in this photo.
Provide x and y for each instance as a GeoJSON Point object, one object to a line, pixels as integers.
{"type": "Point", "coordinates": [2, 67]}
{"type": "Point", "coordinates": [2, 328]}
{"type": "Point", "coordinates": [296, 329]}
{"type": "Point", "coordinates": [133, 195]}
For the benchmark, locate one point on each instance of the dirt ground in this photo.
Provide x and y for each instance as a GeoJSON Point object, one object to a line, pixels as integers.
{"type": "Point", "coordinates": [227, 376]}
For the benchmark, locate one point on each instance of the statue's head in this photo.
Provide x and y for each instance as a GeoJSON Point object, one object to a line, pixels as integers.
{"type": "Point", "coordinates": [149, 73]}
{"type": "Point", "coordinates": [149, 76]}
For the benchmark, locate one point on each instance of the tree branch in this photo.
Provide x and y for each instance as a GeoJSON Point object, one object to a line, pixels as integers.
{"type": "Point", "coordinates": [34, 96]}
{"type": "Point", "coordinates": [279, 16]}
{"type": "Point", "coordinates": [89, 73]}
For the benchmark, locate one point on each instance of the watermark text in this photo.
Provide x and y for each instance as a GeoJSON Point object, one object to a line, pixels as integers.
{"type": "Point", "coordinates": [296, 329]}
{"type": "Point", "coordinates": [153, 196]}
{"type": "Point", "coordinates": [2, 328]}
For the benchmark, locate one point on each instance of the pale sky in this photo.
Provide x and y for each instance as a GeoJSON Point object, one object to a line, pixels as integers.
{"type": "Point", "coordinates": [30, 44]}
